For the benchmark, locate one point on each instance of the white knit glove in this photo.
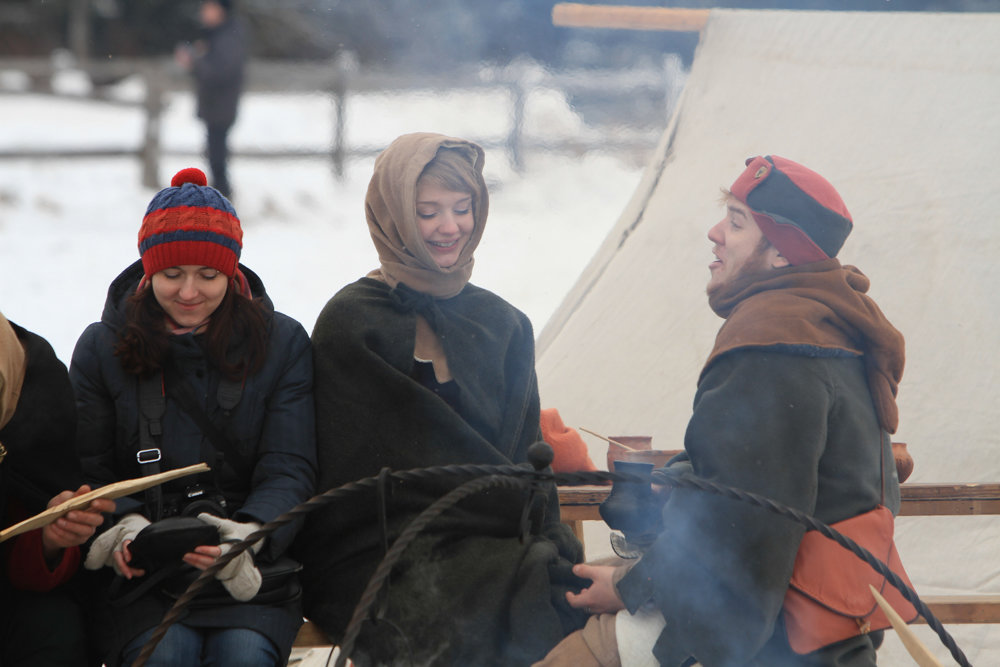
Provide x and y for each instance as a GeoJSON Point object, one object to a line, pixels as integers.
{"type": "Point", "coordinates": [240, 577]}
{"type": "Point", "coordinates": [102, 550]}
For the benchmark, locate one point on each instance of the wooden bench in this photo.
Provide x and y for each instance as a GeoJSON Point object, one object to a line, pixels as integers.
{"type": "Point", "coordinates": [580, 503]}
{"type": "Point", "coordinates": [310, 636]}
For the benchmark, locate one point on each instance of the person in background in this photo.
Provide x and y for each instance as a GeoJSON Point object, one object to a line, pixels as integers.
{"type": "Point", "coordinates": [417, 367]}
{"type": "Point", "coordinates": [191, 363]}
{"type": "Point", "coordinates": [217, 61]}
{"type": "Point", "coordinates": [38, 467]}
{"type": "Point", "coordinates": [795, 403]}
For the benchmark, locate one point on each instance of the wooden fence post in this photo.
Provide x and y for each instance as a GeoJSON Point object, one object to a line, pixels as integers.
{"type": "Point", "coordinates": [345, 65]}
{"type": "Point", "coordinates": [79, 30]}
{"type": "Point", "coordinates": [151, 144]}
{"type": "Point", "coordinates": [339, 124]}
{"type": "Point", "coordinates": [514, 139]}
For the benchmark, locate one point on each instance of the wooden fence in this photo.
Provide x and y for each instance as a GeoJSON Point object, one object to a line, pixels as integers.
{"type": "Point", "coordinates": [340, 79]}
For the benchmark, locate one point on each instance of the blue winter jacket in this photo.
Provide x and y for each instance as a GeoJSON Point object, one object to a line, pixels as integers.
{"type": "Point", "coordinates": [272, 426]}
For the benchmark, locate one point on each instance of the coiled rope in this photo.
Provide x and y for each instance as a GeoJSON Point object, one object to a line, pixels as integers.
{"type": "Point", "coordinates": [482, 477]}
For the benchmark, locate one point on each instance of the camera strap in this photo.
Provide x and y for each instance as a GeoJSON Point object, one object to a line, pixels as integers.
{"type": "Point", "coordinates": [152, 393]}
{"type": "Point", "coordinates": [227, 396]}
{"type": "Point", "coordinates": [152, 407]}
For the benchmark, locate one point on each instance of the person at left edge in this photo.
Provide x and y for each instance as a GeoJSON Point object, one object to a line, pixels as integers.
{"type": "Point", "coordinates": [188, 319]}
{"type": "Point", "coordinates": [38, 466]}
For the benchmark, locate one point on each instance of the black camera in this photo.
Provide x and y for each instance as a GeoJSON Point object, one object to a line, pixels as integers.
{"type": "Point", "coordinates": [198, 499]}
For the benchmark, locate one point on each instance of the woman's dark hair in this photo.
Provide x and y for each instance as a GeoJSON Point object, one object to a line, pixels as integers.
{"type": "Point", "coordinates": [235, 339]}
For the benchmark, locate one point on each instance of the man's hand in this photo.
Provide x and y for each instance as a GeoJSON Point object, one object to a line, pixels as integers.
{"type": "Point", "coordinates": [75, 527]}
{"type": "Point", "coordinates": [601, 597]}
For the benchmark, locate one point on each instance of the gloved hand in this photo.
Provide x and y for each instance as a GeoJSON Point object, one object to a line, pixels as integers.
{"type": "Point", "coordinates": [233, 531]}
{"type": "Point", "coordinates": [102, 551]}
{"type": "Point", "coordinates": [240, 577]}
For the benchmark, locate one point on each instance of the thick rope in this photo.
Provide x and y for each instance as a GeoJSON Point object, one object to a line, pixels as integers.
{"type": "Point", "coordinates": [413, 529]}
{"type": "Point", "coordinates": [488, 475]}
{"type": "Point", "coordinates": [205, 578]}
{"type": "Point", "coordinates": [811, 523]}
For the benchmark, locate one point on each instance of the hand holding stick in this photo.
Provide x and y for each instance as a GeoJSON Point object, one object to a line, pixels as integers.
{"type": "Point", "coordinates": [111, 491]}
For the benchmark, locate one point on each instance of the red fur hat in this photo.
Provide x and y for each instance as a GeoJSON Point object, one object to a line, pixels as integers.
{"type": "Point", "coordinates": [798, 210]}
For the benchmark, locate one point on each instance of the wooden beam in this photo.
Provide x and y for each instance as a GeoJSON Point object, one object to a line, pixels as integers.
{"type": "Point", "coordinates": [572, 15]}
{"type": "Point", "coordinates": [963, 609]}
{"type": "Point", "coordinates": [579, 503]}
{"type": "Point", "coordinates": [949, 499]}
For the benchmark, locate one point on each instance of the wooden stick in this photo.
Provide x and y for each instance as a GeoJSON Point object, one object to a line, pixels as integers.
{"type": "Point", "coordinates": [914, 646]}
{"type": "Point", "coordinates": [110, 491]}
{"type": "Point", "coordinates": [573, 15]}
{"type": "Point", "coordinates": [606, 439]}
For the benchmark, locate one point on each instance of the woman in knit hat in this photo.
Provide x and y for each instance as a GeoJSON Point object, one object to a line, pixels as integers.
{"type": "Point", "coordinates": [417, 367]}
{"type": "Point", "coordinates": [190, 363]}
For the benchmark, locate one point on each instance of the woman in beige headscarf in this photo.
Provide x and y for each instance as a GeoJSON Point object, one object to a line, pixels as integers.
{"type": "Point", "coordinates": [38, 466]}
{"type": "Point", "coordinates": [417, 367]}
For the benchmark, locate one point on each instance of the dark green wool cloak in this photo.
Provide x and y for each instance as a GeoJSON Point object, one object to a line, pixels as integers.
{"type": "Point", "coordinates": [794, 404]}
{"type": "Point", "coordinates": [469, 591]}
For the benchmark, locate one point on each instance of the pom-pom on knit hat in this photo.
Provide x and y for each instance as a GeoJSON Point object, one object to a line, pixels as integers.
{"type": "Point", "coordinates": [799, 212]}
{"type": "Point", "coordinates": [190, 223]}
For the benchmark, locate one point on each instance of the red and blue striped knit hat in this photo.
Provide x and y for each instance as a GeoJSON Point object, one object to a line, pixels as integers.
{"type": "Point", "coordinates": [799, 212]}
{"type": "Point", "coordinates": [190, 223]}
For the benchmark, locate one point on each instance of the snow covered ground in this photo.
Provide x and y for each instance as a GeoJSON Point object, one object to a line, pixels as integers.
{"type": "Point", "coordinates": [67, 227]}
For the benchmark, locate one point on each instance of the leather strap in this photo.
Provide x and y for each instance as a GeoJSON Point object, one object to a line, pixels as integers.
{"type": "Point", "coordinates": [228, 395]}
{"type": "Point", "coordinates": [152, 407]}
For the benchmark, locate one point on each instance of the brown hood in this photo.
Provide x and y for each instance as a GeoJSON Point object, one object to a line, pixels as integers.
{"type": "Point", "coordinates": [390, 207]}
{"type": "Point", "coordinates": [819, 305]}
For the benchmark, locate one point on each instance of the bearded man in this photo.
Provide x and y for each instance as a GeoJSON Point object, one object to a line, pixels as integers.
{"type": "Point", "coordinates": [795, 403]}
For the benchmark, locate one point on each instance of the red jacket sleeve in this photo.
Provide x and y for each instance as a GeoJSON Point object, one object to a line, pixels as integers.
{"type": "Point", "coordinates": [27, 569]}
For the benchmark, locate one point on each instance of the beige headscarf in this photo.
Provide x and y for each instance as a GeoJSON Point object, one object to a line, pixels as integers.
{"type": "Point", "coordinates": [12, 361]}
{"type": "Point", "coordinates": [391, 210]}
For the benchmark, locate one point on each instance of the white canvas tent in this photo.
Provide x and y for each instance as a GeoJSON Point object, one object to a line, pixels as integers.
{"type": "Point", "coordinates": [901, 112]}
